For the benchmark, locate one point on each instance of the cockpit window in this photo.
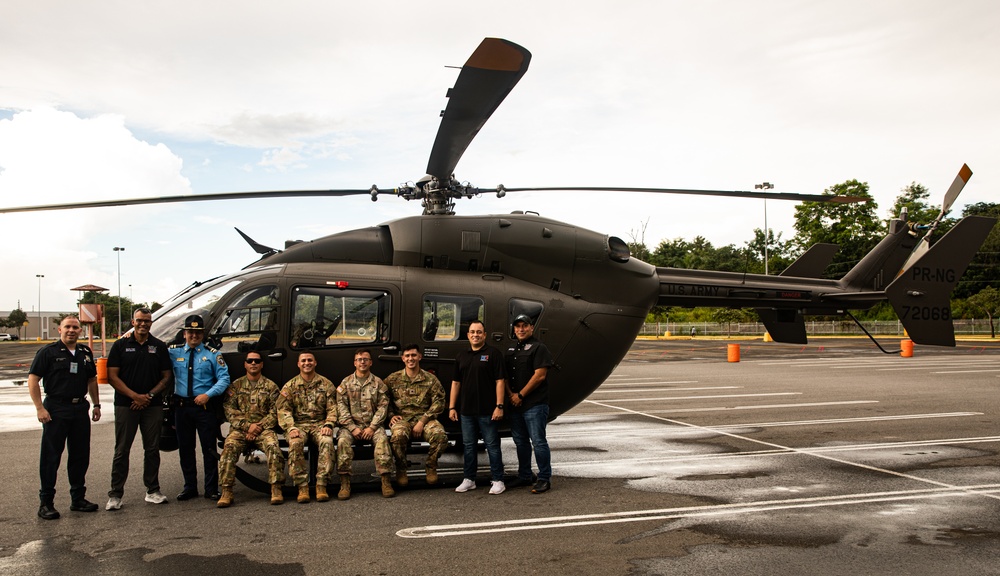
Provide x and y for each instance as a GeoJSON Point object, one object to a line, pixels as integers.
{"type": "Point", "coordinates": [250, 321]}
{"type": "Point", "coordinates": [447, 317]}
{"type": "Point", "coordinates": [169, 323]}
{"type": "Point", "coordinates": [332, 317]}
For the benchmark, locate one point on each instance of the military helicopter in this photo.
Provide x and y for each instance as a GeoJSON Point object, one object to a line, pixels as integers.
{"type": "Point", "coordinates": [424, 278]}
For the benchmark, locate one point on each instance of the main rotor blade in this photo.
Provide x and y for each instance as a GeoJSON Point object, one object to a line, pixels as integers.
{"type": "Point", "coordinates": [487, 77]}
{"type": "Point", "coordinates": [731, 193]}
{"type": "Point", "coordinates": [189, 198]}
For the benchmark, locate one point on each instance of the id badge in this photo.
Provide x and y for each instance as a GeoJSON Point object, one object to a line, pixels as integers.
{"type": "Point", "coordinates": [74, 367]}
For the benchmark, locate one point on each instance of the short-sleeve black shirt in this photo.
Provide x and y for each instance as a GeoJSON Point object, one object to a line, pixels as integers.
{"type": "Point", "coordinates": [478, 372]}
{"type": "Point", "coordinates": [523, 358]}
{"type": "Point", "coordinates": [64, 374]}
{"type": "Point", "coordinates": [140, 366]}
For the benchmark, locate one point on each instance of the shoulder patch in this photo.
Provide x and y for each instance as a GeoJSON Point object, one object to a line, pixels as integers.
{"type": "Point", "coordinates": [284, 393]}
{"type": "Point", "coordinates": [340, 389]}
{"type": "Point", "coordinates": [222, 361]}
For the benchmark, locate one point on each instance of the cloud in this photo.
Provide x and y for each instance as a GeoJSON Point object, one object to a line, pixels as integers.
{"type": "Point", "coordinates": [50, 156]}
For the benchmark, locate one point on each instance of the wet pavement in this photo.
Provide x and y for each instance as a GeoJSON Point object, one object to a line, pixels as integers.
{"type": "Point", "coordinates": [830, 458]}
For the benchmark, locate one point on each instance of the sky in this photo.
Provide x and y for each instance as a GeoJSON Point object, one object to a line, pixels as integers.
{"type": "Point", "coordinates": [105, 99]}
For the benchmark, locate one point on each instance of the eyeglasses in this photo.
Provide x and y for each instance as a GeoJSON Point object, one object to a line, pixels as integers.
{"type": "Point", "coordinates": [143, 321]}
{"type": "Point", "coordinates": [362, 359]}
{"type": "Point", "coordinates": [255, 360]}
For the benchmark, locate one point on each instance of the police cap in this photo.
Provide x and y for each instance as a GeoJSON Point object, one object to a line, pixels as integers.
{"type": "Point", "coordinates": [194, 322]}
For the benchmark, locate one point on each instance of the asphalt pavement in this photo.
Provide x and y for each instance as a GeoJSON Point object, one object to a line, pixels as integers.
{"type": "Point", "coordinates": [830, 458]}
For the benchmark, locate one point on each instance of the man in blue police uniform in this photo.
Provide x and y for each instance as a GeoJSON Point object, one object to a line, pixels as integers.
{"type": "Point", "coordinates": [528, 363]}
{"type": "Point", "coordinates": [139, 371]}
{"type": "Point", "coordinates": [68, 373]}
{"type": "Point", "coordinates": [200, 374]}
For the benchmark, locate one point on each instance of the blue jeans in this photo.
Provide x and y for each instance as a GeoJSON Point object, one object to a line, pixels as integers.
{"type": "Point", "coordinates": [472, 427]}
{"type": "Point", "coordinates": [528, 430]}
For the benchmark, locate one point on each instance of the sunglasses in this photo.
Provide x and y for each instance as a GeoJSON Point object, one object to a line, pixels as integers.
{"type": "Point", "coordinates": [255, 360]}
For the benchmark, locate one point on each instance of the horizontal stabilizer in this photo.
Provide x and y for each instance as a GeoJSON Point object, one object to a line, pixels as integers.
{"type": "Point", "coordinates": [921, 296]}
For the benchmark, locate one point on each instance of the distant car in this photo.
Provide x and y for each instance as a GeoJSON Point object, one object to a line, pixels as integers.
{"type": "Point", "coordinates": [8, 336]}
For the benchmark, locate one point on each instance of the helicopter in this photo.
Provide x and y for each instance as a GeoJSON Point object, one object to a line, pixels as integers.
{"type": "Point", "coordinates": [425, 278]}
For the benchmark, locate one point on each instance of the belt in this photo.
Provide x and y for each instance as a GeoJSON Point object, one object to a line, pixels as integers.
{"type": "Point", "coordinates": [66, 399]}
{"type": "Point", "coordinates": [181, 401]}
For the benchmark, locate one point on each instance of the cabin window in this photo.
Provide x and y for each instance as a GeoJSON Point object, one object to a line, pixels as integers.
{"type": "Point", "coordinates": [447, 317]}
{"type": "Point", "coordinates": [250, 321]}
{"type": "Point", "coordinates": [324, 317]}
{"type": "Point", "coordinates": [518, 306]}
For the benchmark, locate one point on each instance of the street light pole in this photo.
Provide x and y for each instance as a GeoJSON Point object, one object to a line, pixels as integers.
{"type": "Point", "coordinates": [118, 251]}
{"type": "Point", "coordinates": [39, 276]}
{"type": "Point", "coordinates": [765, 186]}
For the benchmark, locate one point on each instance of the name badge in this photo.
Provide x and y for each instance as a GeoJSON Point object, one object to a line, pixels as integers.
{"type": "Point", "coordinates": [74, 368]}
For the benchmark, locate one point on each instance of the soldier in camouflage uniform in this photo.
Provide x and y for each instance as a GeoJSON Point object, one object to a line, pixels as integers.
{"type": "Point", "coordinates": [307, 410]}
{"type": "Point", "coordinates": [249, 406]}
{"type": "Point", "coordinates": [362, 407]}
{"type": "Point", "coordinates": [416, 399]}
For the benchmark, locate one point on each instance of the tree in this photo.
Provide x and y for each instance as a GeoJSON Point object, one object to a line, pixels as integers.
{"type": "Point", "coordinates": [986, 300]}
{"type": "Point", "coordinates": [16, 319]}
{"type": "Point", "coordinates": [111, 310]}
{"type": "Point", "coordinates": [854, 227]}
{"type": "Point", "coordinates": [779, 254]}
{"type": "Point", "coordinates": [730, 315]}
{"type": "Point", "coordinates": [984, 270]}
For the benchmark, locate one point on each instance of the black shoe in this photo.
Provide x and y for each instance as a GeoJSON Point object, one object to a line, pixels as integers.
{"type": "Point", "coordinates": [47, 512]}
{"type": "Point", "coordinates": [83, 505]}
{"type": "Point", "coordinates": [540, 486]}
{"type": "Point", "coordinates": [187, 495]}
{"type": "Point", "coordinates": [213, 495]}
{"type": "Point", "coordinates": [518, 482]}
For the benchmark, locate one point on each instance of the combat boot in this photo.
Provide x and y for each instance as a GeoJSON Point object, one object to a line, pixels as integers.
{"type": "Point", "coordinates": [345, 487]}
{"type": "Point", "coordinates": [401, 478]}
{"type": "Point", "coordinates": [432, 474]}
{"type": "Point", "coordinates": [387, 491]}
{"type": "Point", "coordinates": [276, 496]}
{"type": "Point", "coordinates": [303, 494]}
{"type": "Point", "coordinates": [226, 499]}
{"type": "Point", "coordinates": [321, 495]}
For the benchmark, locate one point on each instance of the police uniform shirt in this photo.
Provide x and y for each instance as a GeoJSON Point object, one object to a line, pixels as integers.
{"type": "Point", "coordinates": [211, 375]}
{"type": "Point", "coordinates": [523, 358]}
{"type": "Point", "coordinates": [140, 366]}
{"type": "Point", "coordinates": [64, 374]}
{"type": "Point", "coordinates": [478, 372]}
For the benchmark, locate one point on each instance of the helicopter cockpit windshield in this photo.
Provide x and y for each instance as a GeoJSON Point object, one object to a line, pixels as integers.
{"type": "Point", "coordinates": [170, 319]}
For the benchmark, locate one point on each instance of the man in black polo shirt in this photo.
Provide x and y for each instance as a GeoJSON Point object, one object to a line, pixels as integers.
{"type": "Point", "coordinates": [139, 370]}
{"type": "Point", "coordinates": [68, 373]}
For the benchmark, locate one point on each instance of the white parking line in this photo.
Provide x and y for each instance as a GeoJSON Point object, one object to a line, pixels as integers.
{"type": "Point", "coordinates": [522, 524]}
{"type": "Point", "coordinates": [603, 391]}
{"type": "Point", "coordinates": [760, 407]}
{"type": "Point", "coordinates": [698, 397]}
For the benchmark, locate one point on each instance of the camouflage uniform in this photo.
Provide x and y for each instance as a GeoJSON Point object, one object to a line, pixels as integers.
{"type": "Point", "coordinates": [308, 407]}
{"type": "Point", "coordinates": [413, 399]}
{"type": "Point", "coordinates": [363, 404]}
{"type": "Point", "coordinates": [251, 403]}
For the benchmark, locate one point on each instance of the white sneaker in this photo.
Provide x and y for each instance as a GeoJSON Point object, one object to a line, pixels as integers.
{"type": "Point", "coordinates": [466, 485]}
{"type": "Point", "coordinates": [114, 503]}
{"type": "Point", "coordinates": [497, 487]}
{"type": "Point", "coordinates": [153, 498]}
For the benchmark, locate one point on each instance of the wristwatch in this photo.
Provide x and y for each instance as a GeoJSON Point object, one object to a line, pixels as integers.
{"type": "Point", "coordinates": [500, 406]}
{"type": "Point", "coordinates": [151, 395]}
